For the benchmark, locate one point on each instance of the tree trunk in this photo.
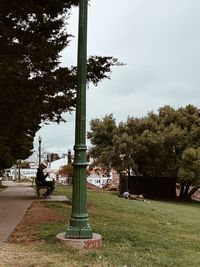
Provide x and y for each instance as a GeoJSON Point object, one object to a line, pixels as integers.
{"type": "Point", "coordinates": [182, 191]}
{"type": "Point", "coordinates": [186, 192]}
{"type": "Point", "coordinates": [121, 185]}
{"type": "Point", "coordinates": [194, 189]}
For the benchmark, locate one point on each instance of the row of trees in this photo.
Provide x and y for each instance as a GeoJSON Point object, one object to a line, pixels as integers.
{"type": "Point", "coordinates": [166, 143]}
{"type": "Point", "coordinates": [34, 88]}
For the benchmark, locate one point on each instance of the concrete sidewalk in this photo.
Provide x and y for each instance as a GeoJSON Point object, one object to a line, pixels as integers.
{"type": "Point", "coordinates": [14, 202]}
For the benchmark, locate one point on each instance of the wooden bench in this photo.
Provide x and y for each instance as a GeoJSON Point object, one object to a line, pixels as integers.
{"type": "Point", "coordinates": [38, 187]}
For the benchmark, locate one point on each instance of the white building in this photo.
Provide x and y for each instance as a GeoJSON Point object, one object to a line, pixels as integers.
{"type": "Point", "coordinates": [54, 167]}
{"type": "Point", "coordinates": [16, 173]}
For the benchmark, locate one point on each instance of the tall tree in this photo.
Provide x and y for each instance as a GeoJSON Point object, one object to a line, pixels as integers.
{"type": "Point", "coordinates": [162, 144]}
{"type": "Point", "coordinates": [33, 86]}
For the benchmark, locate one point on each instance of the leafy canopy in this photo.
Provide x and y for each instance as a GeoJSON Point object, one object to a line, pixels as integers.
{"type": "Point", "coordinates": [34, 88]}
{"type": "Point", "coordinates": [166, 143]}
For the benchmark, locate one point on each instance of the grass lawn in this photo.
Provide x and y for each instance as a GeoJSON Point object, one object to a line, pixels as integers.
{"type": "Point", "coordinates": [149, 233]}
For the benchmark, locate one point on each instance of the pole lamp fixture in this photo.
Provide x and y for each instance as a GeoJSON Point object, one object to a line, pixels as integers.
{"type": "Point", "coordinates": [69, 156]}
{"type": "Point", "coordinates": [39, 148]}
{"type": "Point", "coordinates": [79, 227]}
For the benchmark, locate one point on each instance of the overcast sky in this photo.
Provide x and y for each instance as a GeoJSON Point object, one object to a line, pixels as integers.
{"type": "Point", "coordinates": [158, 40]}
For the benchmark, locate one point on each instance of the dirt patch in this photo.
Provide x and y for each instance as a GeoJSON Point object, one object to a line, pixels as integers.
{"type": "Point", "coordinates": [38, 213]}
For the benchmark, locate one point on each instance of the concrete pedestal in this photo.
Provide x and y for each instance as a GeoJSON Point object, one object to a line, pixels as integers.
{"type": "Point", "coordinates": [94, 243]}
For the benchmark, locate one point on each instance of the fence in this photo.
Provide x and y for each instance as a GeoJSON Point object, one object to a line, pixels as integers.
{"type": "Point", "coordinates": [149, 187]}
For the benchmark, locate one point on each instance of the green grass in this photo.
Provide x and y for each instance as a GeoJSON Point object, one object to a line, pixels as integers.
{"type": "Point", "coordinates": [150, 233]}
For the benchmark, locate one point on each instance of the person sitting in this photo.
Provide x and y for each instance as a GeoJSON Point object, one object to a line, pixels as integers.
{"type": "Point", "coordinates": [41, 178]}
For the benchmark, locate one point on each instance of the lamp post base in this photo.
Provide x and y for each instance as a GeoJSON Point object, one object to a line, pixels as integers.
{"type": "Point", "coordinates": [77, 232]}
{"type": "Point", "coordinates": [80, 243]}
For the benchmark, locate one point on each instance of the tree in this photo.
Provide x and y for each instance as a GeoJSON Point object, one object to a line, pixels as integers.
{"type": "Point", "coordinates": [123, 160]}
{"type": "Point", "coordinates": [24, 164]}
{"type": "Point", "coordinates": [158, 145]}
{"type": "Point", "coordinates": [66, 170]}
{"type": "Point", "coordinates": [101, 136]}
{"type": "Point", "coordinates": [189, 172]}
{"type": "Point", "coordinates": [32, 35]}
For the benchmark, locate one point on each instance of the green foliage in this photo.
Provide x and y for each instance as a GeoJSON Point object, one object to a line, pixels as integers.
{"type": "Point", "coordinates": [154, 145]}
{"type": "Point", "coordinates": [34, 88]}
{"type": "Point", "coordinates": [24, 164]}
{"type": "Point", "coordinates": [189, 171]}
{"type": "Point", "coordinates": [102, 133]}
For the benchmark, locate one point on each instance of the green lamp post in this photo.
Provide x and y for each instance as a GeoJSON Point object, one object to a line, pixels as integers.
{"type": "Point", "coordinates": [39, 148]}
{"type": "Point", "coordinates": [79, 227]}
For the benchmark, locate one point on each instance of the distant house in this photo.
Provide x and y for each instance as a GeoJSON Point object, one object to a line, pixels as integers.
{"type": "Point", "coordinates": [16, 173]}
{"type": "Point", "coordinates": [54, 166]}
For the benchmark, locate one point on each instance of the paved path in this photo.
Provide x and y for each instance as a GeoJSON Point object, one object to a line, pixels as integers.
{"type": "Point", "coordinates": [14, 202]}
